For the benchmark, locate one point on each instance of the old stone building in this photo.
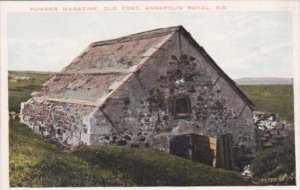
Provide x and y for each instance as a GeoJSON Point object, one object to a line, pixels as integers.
{"type": "Point", "coordinates": [139, 90]}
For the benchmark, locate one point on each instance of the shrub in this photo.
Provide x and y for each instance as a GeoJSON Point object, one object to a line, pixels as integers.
{"type": "Point", "coordinates": [276, 165]}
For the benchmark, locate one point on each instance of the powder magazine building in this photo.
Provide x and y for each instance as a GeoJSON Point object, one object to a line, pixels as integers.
{"type": "Point", "coordinates": [140, 91]}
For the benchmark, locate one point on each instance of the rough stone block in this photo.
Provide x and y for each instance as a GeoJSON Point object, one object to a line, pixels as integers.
{"type": "Point", "coordinates": [85, 138]}
{"type": "Point", "coordinates": [86, 120]}
{"type": "Point", "coordinates": [99, 129]}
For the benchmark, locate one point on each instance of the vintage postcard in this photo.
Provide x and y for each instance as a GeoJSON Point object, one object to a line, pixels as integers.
{"type": "Point", "coordinates": [152, 94]}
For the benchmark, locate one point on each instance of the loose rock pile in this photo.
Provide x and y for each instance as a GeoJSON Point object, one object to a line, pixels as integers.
{"type": "Point", "coordinates": [271, 130]}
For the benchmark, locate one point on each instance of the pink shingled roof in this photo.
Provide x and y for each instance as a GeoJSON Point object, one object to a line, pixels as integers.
{"type": "Point", "coordinates": [89, 76]}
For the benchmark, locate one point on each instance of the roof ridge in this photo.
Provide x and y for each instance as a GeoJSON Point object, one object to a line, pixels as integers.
{"type": "Point", "coordinates": [141, 35]}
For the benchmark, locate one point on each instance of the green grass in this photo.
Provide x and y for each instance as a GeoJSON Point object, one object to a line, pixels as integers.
{"type": "Point", "coordinates": [272, 98]}
{"type": "Point", "coordinates": [38, 162]}
{"type": "Point", "coordinates": [149, 167]}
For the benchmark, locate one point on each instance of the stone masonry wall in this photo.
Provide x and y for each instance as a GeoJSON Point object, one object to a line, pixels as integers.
{"type": "Point", "coordinates": [60, 121]}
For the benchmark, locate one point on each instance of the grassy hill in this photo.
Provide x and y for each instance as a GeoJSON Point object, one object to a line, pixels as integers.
{"type": "Point", "coordinates": [35, 161]}
{"type": "Point", "coordinates": [38, 162]}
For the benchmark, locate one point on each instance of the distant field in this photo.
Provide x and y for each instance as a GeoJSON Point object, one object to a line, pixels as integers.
{"type": "Point", "coordinates": [272, 98]}
{"type": "Point", "coordinates": [19, 91]}
{"type": "Point", "coordinates": [264, 81]}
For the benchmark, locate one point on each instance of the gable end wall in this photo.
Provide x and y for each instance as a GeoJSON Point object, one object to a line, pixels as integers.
{"type": "Point", "coordinates": [140, 109]}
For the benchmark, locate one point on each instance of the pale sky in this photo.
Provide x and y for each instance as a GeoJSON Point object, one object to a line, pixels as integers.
{"type": "Point", "coordinates": [243, 44]}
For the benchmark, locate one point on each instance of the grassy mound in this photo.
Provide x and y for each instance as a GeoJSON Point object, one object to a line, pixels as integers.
{"type": "Point", "coordinates": [150, 168]}
{"type": "Point", "coordinates": [38, 162]}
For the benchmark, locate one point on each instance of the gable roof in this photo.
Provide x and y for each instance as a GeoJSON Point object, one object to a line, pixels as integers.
{"type": "Point", "coordinates": [104, 66]}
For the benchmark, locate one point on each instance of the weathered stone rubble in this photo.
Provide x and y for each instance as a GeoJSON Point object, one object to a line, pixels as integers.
{"type": "Point", "coordinates": [247, 171]}
{"type": "Point", "coordinates": [57, 120]}
{"type": "Point", "coordinates": [271, 129]}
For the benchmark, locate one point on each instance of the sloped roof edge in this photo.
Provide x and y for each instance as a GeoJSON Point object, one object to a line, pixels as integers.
{"type": "Point", "coordinates": [207, 57]}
